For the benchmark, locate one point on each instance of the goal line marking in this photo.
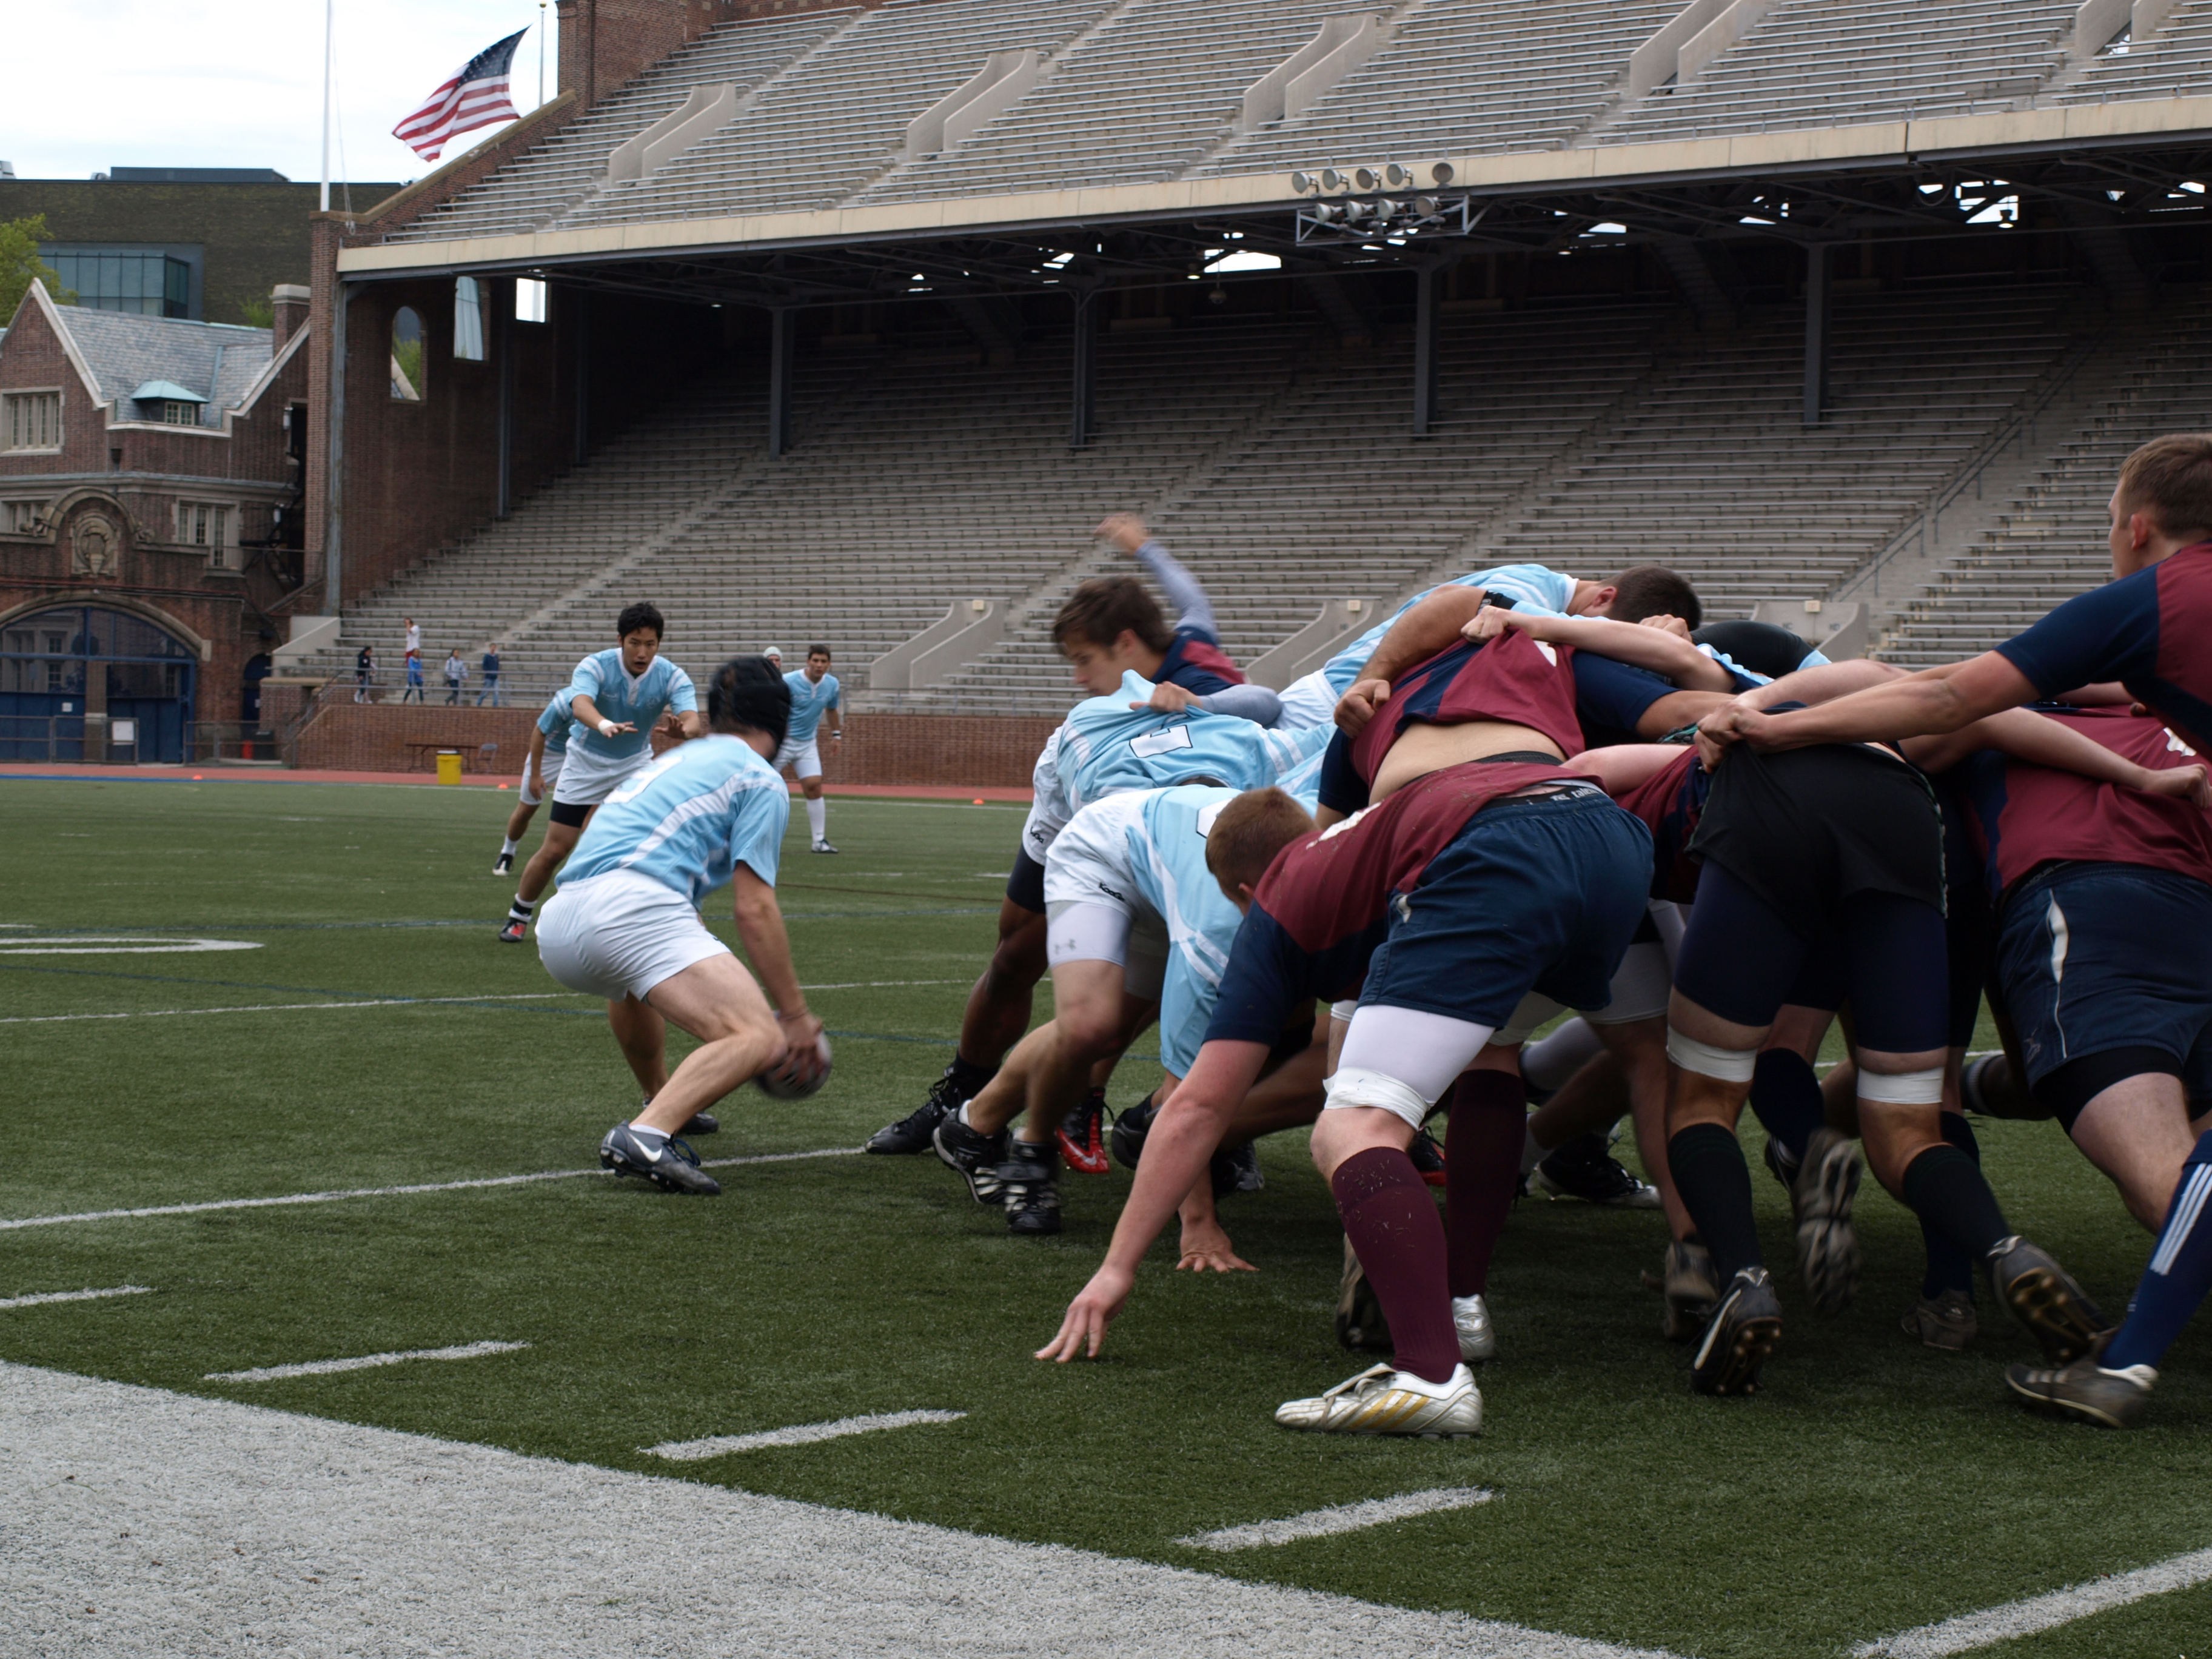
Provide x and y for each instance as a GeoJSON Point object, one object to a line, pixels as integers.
{"type": "Point", "coordinates": [44, 1297]}
{"type": "Point", "coordinates": [1342, 1517]}
{"type": "Point", "coordinates": [203, 1208]}
{"type": "Point", "coordinates": [802, 1434]}
{"type": "Point", "coordinates": [2041, 1612]}
{"type": "Point", "coordinates": [362, 1363]}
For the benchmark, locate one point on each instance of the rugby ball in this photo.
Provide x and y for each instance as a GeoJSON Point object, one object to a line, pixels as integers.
{"type": "Point", "coordinates": [799, 1075]}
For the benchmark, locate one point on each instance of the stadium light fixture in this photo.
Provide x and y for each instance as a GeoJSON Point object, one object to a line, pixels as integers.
{"type": "Point", "coordinates": [1303, 183]}
{"type": "Point", "coordinates": [1333, 182]}
{"type": "Point", "coordinates": [1441, 173]}
{"type": "Point", "coordinates": [1366, 179]}
{"type": "Point", "coordinates": [1398, 178]}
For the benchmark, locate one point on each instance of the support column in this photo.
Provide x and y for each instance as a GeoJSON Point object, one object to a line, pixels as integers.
{"type": "Point", "coordinates": [1428, 300]}
{"type": "Point", "coordinates": [334, 482]}
{"type": "Point", "coordinates": [1086, 370]}
{"type": "Point", "coordinates": [504, 342]}
{"type": "Point", "coordinates": [581, 445]}
{"type": "Point", "coordinates": [1816, 333]}
{"type": "Point", "coordinates": [783, 340]}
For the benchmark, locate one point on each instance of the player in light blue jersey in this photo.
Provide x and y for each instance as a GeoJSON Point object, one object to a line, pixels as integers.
{"type": "Point", "coordinates": [1118, 743]}
{"type": "Point", "coordinates": [814, 696]}
{"type": "Point", "coordinates": [617, 697]}
{"type": "Point", "coordinates": [625, 925]}
{"type": "Point", "coordinates": [541, 771]}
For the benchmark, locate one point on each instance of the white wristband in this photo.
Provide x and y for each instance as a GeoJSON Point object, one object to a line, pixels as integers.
{"type": "Point", "coordinates": [606, 728]}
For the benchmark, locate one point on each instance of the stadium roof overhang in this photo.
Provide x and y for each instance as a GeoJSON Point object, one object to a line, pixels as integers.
{"type": "Point", "coordinates": [2125, 165]}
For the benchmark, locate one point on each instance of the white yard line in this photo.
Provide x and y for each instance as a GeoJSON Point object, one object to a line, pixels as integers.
{"type": "Point", "coordinates": [287, 1007]}
{"type": "Point", "coordinates": [73, 1296]}
{"type": "Point", "coordinates": [880, 984]}
{"type": "Point", "coordinates": [384, 1192]}
{"type": "Point", "coordinates": [2041, 1612]}
{"type": "Point", "coordinates": [1343, 1518]}
{"type": "Point", "coordinates": [691, 1451]}
{"type": "Point", "coordinates": [133, 944]}
{"type": "Point", "coordinates": [362, 1363]}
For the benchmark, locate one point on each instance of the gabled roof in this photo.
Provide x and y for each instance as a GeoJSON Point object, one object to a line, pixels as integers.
{"type": "Point", "coordinates": [167, 391]}
{"type": "Point", "coordinates": [213, 362]}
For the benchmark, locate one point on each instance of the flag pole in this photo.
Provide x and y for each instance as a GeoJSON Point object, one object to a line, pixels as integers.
{"type": "Point", "coordinates": [329, 47]}
{"type": "Point", "coordinates": [541, 51]}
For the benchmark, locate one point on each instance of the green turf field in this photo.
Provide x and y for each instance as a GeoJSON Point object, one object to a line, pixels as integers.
{"type": "Point", "coordinates": [1873, 1487]}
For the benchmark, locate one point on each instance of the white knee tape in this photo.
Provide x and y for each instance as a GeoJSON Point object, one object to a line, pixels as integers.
{"type": "Point", "coordinates": [1729, 1065]}
{"type": "Point", "coordinates": [1902, 1088]}
{"type": "Point", "coordinates": [1344, 1009]}
{"type": "Point", "coordinates": [1355, 1085]}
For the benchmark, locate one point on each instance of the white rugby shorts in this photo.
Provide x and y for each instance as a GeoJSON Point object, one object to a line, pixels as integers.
{"type": "Point", "coordinates": [620, 934]}
{"type": "Point", "coordinates": [1311, 701]}
{"type": "Point", "coordinates": [1093, 910]}
{"type": "Point", "coordinates": [538, 784]}
{"type": "Point", "coordinates": [588, 778]}
{"type": "Point", "coordinates": [804, 758]}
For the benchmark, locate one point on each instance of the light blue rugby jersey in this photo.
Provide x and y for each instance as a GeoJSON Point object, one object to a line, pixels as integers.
{"type": "Point", "coordinates": [1532, 586]}
{"type": "Point", "coordinates": [640, 701]}
{"type": "Point", "coordinates": [1167, 866]}
{"type": "Point", "coordinates": [810, 701]}
{"type": "Point", "coordinates": [688, 819]}
{"type": "Point", "coordinates": [1107, 748]}
{"type": "Point", "coordinates": [556, 723]}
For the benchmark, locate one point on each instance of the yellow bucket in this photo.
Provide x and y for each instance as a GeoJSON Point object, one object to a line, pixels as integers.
{"type": "Point", "coordinates": [449, 766]}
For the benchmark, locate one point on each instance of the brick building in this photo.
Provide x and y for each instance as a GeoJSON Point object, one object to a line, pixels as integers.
{"type": "Point", "coordinates": [150, 479]}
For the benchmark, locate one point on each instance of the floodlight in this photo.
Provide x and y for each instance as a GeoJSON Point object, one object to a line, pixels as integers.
{"type": "Point", "coordinates": [1427, 207]}
{"type": "Point", "coordinates": [1333, 181]}
{"type": "Point", "coordinates": [1367, 178]}
{"type": "Point", "coordinates": [1303, 183]}
{"type": "Point", "coordinates": [1398, 178]}
{"type": "Point", "coordinates": [1441, 173]}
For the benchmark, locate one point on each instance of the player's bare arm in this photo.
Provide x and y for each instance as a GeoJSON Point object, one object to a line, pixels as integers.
{"type": "Point", "coordinates": [1933, 701]}
{"type": "Point", "coordinates": [760, 928]}
{"type": "Point", "coordinates": [2025, 735]}
{"type": "Point", "coordinates": [588, 712]}
{"type": "Point", "coordinates": [1656, 649]}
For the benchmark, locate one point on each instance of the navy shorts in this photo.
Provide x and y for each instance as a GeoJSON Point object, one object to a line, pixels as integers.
{"type": "Point", "coordinates": [1540, 895]}
{"type": "Point", "coordinates": [1025, 882]}
{"type": "Point", "coordinates": [2109, 959]}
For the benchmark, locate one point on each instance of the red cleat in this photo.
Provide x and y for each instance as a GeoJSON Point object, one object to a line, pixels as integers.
{"type": "Point", "coordinates": [1081, 1136]}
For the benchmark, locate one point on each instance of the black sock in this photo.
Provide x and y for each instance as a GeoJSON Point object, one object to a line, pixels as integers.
{"type": "Point", "coordinates": [1945, 1189]}
{"type": "Point", "coordinates": [521, 909]}
{"type": "Point", "coordinates": [968, 1078]}
{"type": "Point", "coordinates": [1949, 1267]}
{"type": "Point", "coordinates": [1715, 1183]}
{"type": "Point", "coordinates": [1785, 1097]}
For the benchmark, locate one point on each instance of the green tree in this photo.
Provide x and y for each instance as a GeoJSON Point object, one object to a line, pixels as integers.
{"type": "Point", "coordinates": [20, 266]}
{"type": "Point", "coordinates": [260, 313]}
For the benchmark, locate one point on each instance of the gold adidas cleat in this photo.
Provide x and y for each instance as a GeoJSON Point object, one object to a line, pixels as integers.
{"type": "Point", "coordinates": [1382, 1401]}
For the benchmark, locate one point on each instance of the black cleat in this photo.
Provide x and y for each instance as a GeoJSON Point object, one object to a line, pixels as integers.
{"type": "Point", "coordinates": [911, 1133]}
{"type": "Point", "coordinates": [1691, 1290]}
{"type": "Point", "coordinates": [1129, 1132]}
{"type": "Point", "coordinates": [2042, 1295]}
{"type": "Point", "coordinates": [671, 1166]}
{"type": "Point", "coordinates": [1827, 1250]}
{"type": "Point", "coordinates": [1428, 1158]}
{"type": "Point", "coordinates": [1081, 1137]}
{"type": "Point", "coordinates": [514, 932]}
{"type": "Point", "coordinates": [1945, 1321]}
{"type": "Point", "coordinates": [702, 1123]}
{"type": "Point", "coordinates": [1781, 1165]}
{"type": "Point", "coordinates": [503, 865]}
{"type": "Point", "coordinates": [974, 1155]}
{"type": "Point", "coordinates": [1744, 1330]}
{"type": "Point", "coordinates": [1361, 1325]}
{"type": "Point", "coordinates": [1030, 1180]}
{"type": "Point", "coordinates": [2087, 1392]}
{"type": "Point", "coordinates": [1582, 1167]}
{"type": "Point", "coordinates": [1236, 1171]}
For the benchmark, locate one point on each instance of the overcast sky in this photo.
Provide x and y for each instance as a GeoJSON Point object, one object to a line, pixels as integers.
{"type": "Point", "coordinates": [95, 84]}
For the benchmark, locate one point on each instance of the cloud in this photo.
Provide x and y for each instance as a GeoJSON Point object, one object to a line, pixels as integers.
{"type": "Point", "coordinates": [238, 83]}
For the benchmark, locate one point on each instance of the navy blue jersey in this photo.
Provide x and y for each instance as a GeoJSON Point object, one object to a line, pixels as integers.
{"type": "Point", "coordinates": [2151, 631]}
{"type": "Point", "coordinates": [1196, 663]}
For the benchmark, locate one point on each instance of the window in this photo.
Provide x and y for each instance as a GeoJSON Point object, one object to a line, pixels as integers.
{"type": "Point", "coordinates": [21, 518]}
{"type": "Point", "coordinates": [176, 412]}
{"type": "Point", "coordinates": [407, 354]}
{"type": "Point", "coordinates": [32, 420]}
{"type": "Point", "coordinates": [205, 524]}
{"type": "Point", "coordinates": [529, 300]}
{"type": "Point", "coordinates": [146, 281]}
{"type": "Point", "coordinates": [468, 320]}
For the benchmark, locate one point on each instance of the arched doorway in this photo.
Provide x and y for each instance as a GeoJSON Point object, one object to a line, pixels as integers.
{"type": "Point", "coordinates": [61, 665]}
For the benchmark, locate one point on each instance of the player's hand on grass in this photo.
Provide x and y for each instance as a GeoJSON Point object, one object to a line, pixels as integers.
{"type": "Point", "coordinates": [1206, 1249]}
{"type": "Point", "coordinates": [1125, 530]}
{"type": "Point", "coordinates": [2190, 783]}
{"type": "Point", "coordinates": [1169, 699]}
{"type": "Point", "coordinates": [1095, 1307]}
{"type": "Point", "coordinates": [1358, 703]}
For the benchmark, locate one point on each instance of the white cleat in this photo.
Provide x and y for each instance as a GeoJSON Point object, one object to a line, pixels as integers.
{"type": "Point", "coordinates": [1471, 1320]}
{"type": "Point", "coordinates": [1381, 1401]}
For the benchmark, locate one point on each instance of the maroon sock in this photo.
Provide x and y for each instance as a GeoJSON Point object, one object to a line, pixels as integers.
{"type": "Point", "coordinates": [1393, 1225]}
{"type": "Point", "coordinates": [1484, 1135]}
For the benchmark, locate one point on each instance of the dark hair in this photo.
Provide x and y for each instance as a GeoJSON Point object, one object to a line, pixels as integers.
{"type": "Point", "coordinates": [2170, 479]}
{"type": "Point", "coordinates": [1652, 590]}
{"type": "Point", "coordinates": [747, 691]}
{"type": "Point", "coordinates": [1249, 832]}
{"type": "Point", "coordinates": [1104, 608]}
{"type": "Point", "coordinates": [818, 651]}
{"type": "Point", "coordinates": [640, 614]}
{"type": "Point", "coordinates": [1766, 648]}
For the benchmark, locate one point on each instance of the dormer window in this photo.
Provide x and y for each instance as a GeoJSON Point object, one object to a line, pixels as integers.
{"type": "Point", "coordinates": [170, 403]}
{"type": "Point", "coordinates": [177, 413]}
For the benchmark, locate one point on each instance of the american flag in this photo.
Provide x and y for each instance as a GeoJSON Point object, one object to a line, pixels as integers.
{"type": "Point", "coordinates": [473, 96]}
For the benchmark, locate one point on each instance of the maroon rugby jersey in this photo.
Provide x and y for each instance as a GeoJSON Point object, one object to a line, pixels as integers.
{"type": "Point", "coordinates": [1324, 904]}
{"type": "Point", "coordinates": [1515, 678]}
{"type": "Point", "coordinates": [2151, 631]}
{"type": "Point", "coordinates": [2021, 815]}
{"type": "Point", "coordinates": [1670, 802]}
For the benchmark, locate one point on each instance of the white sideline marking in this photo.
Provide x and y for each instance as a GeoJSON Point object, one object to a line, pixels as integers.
{"type": "Point", "coordinates": [117, 944]}
{"type": "Point", "coordinates": [878, 984]}
{"type": "Point", "coordinates": [691, 1451]}
{"type": "Point", "coordinates": [2041, 1612]}
{"type": "Point", "coordinates": [365, 1362]}
{"type": "Point", "coordinates": [291, 1007]}
{"type": "Point", "coordinates": [73, 1296]}
{"type": "Point", "coordinates": [1342, 1517]}
{"type": "Point", "coordinates": [385, 1192]}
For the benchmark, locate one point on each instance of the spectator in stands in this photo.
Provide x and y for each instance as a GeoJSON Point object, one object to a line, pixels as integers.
{"type": "Point", "coordinates": [491, 687]}
{"type": "Point", "coordinates": [414, 662]}
{"type": "Point", "coordinates": [457, 676]}
{"type": "Point", "coordinates": [364, 673]}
